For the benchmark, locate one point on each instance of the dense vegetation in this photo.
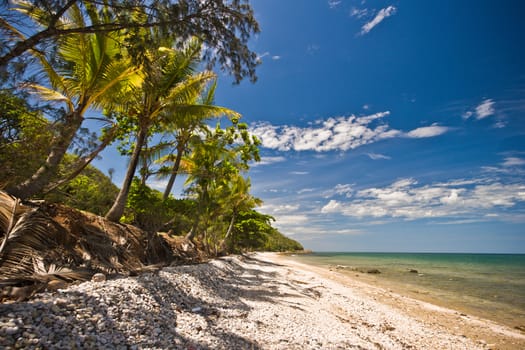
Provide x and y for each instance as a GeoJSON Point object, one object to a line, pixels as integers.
{"type": "Point", "coordinates": [139, 68]}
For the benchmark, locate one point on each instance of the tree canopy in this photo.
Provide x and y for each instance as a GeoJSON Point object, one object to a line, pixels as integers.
{"type": "Point", "coordinates": [224, 26]}
{"type": "Point", "coordinates": [139, 66]}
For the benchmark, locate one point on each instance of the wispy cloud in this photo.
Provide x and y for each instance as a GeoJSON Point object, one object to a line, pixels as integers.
{"type": "Point", "coordinates": [340, 190]}
{"type": "Point", "coordinates": [336, 134]}
{"type": "Point", "coordinates": [513, 161]}
{"type": "Point", "coordinates": [467, 114]}
{"type": "Point", "coordinates": [377, 156]}
{"type": "Point", "coordinates": [358, 13]}
{"type": "Point", "coordinates": [299, 172]}
{"type": "Point", "coordinates": [485, 109]}
{"type": "Point", "coordinates": [380, 16]}
{"type": "Point", "coordinates": [266, 54]}
{"type": "Point", "coordinates": [334, 3]}
{"type": "Point", "coordinates": [272, 208]}
{"type": "Point", "coordinates": [427, 131]}
{"type": "Point", "coordinates": [268, 160]}
{"type": "Point", "coordinates": [408, 200]}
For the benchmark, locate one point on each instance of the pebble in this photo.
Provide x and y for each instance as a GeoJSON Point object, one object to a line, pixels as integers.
{"type": "Point", "coordinates": [178, 307]}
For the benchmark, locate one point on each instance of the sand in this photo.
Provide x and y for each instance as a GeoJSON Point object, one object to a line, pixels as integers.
{"type": "Point", "coordinates": [264, 301]}
{"type": "Point", "coordinates": [435, 319]}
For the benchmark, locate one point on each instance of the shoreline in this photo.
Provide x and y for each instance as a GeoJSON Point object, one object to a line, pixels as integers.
{"type": "Point", "coordinates": [464, 301]}
{"type": "Point", "coordinates": [419, 306]}
{"type": "Point", "coordinates": [261, 301]}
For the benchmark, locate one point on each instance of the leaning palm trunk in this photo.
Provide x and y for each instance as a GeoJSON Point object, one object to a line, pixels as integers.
{"type": "Point", "coordinates": [60, 144]}
{"type": "Point", "coordinates": [118, 207]}
{"type": "Point", "coordinates": [223, 244]}
{"type": "Point", "coordinates": [83, 163]}
{"type": "Point", "coordinates": [174, 173]}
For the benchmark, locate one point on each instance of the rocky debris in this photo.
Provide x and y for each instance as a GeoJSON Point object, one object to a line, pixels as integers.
{"type": "Point", "coordinates": [229, 303]}
{"type": "Point", "coordinates": [98, 277]}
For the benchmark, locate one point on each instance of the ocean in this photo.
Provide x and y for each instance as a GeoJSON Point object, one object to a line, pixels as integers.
{"type": "Point", "coordinates": [491, 286]}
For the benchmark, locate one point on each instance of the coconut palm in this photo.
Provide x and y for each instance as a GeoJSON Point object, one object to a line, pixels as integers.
{"type": "Point", "coordinates": [90, 73]}
{"type": "Point", "coordinates": [169, 93]}
{"type": "Point", "coordinates": [186, 125]}
{"type": "Point", "coordinates": [215, 165]}
{"type": "Point", "coordinates": [236, 200]}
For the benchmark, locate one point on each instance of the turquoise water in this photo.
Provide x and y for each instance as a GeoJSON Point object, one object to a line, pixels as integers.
{"type": "Point", "coordinates": [486, 285]}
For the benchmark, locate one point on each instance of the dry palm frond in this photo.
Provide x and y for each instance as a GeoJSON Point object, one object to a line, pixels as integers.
{"type": "Point", "coordinates": [10, 210]}
{"type": "Point", "coordinates": [54, 272]}
{"type": "Point", "coordinates": [50, 245]}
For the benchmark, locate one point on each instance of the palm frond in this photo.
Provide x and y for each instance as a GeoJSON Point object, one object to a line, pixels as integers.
{"type": "Point", "coordinates": [31, 10]}
{"type": "Point", "coordinates": [10, 210]}
{"type": "Point", "coordinates": [51, 272]}
{"type": "Point", "coordinates": [189, 90]}
{"type": "Point", "coordinates": [11, 31]}
{"type": "Point", "coordinates": [197, 113]}
{"type": "Point", "coordinates": [48, 94]}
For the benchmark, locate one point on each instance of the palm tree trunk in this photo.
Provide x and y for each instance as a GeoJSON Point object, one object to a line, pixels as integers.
{"type": "Point", "coordinates": [83, 162]}
{"type": "Point", "coordinates": [118, 207]}
{"type": "Point", "coordinates": [59, 145]}
{"type": "Point", "coordinates": [224, 241]}
{"type": "Point", "coordinates": [174, 172]}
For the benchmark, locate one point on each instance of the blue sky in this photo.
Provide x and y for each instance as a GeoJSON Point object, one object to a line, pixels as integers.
{"type": "Point", "coordinates": [389, 125]}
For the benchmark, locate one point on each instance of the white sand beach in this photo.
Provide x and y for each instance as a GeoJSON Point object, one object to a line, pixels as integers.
{"type": "Point", "coordinates": [265, 301]}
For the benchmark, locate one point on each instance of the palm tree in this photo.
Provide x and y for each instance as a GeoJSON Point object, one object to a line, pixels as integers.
{"type": "Point", "coordinates": [91, 72]}
{"type": "Point", "coordinates": [185, 126]}
{"type": "Point", "coordinates": [169, 93]}
{"type": "Point", "coordinates": [215, 169]}
{"type": "Point", "coordinates": [237, 200]}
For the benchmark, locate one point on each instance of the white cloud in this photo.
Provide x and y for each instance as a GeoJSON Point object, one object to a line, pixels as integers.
{"type": "Point", "coordinates": [340, 190]}
{"type": "Point", "coordinates": [272, 209]}
{"type": "Point", "coordinates": [262, 55]}
{"type": "Point", "coordinates": [456, 199]}
{"type": "Point", "coordinates": [284, 220]}
{"type": "Point", "coordinates": [358, 13]}
{"type": "Point", "coordinates": [268, 160]}
{"type": "Point", "coordinates": [377, 156]}
{"type": "Point", "coordinates": [348, 232]}
{"type": "Point", "coordinates": [335, 134]}
{"type": "Point", "coordinates": [427, 131]}
{"type": "Point", "coordinates": [513, 161]}
{"type": "Point", "coordinates": [158, 184]}
{"type": "Point", "coordinates": [334, 3]}
{"type": "Point", "coordinates": [500, 124]}
{"type": "Point", "coordinates": [485, 109]}
{"type": "Point", "coordinates": [452, 198]}
{"type": "Point", "coordinates": [265, 54]}
{"type": "Point", "coordinates": [467, 115]}
{"type": "Point", "coordinates": [511, 166]}
{"type": "Point", "coordinates": [381, 15]}
{"type": "Point", "coordinates": [332, 207]}
{"type": "Point", "coordinates": [299, 172]}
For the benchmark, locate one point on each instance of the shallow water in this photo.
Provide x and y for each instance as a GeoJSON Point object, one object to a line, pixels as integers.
{"type": "Point", "coordinates": [491, 286]}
